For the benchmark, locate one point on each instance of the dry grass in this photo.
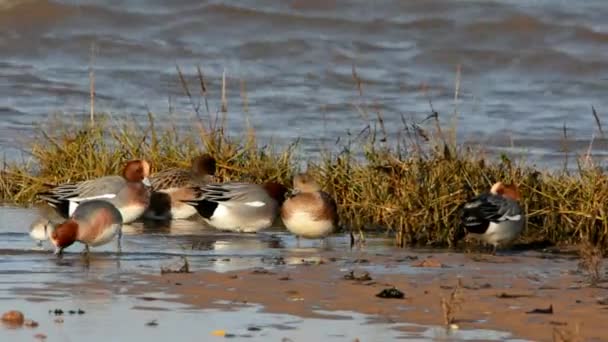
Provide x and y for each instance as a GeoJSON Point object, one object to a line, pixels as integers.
{"type": "Point", "coordinates": [411, 187]}
{"type": "Point", "coordinates": [591, 262]}
{"type": "Point", "coordinates": [452, 304]}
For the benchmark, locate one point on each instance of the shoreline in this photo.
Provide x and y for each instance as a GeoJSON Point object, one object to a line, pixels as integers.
{"type": "Point", "coordinates": [495, 292]}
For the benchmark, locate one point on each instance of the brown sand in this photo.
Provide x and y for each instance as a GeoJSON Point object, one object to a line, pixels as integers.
{"type": "Point", "coordinates": [489, 296]}
{"type": "Point", "coordinates": [494, 293]}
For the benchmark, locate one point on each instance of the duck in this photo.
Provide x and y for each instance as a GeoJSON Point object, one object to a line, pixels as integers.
{"type": "Point", "coordinates": [497, 217]}
{"type": "Point", "coordinates": [309, 212]}
{"type": "Point", "coordinates": [171, 186]}
{"type": "Point", "coordinates": [129, 193]}
{"type": "Point", "coordinates": [238, 206]}
{"type": "Point", "coordinates": [93, 223]}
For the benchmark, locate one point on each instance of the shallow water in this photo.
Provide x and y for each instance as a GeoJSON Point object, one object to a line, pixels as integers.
{"type": "Point", "coordinates": [105, 318]}
{"type": "Point", "coordinates": [34, 281]}
{"type": "Point", "coordinates": [528, 68]}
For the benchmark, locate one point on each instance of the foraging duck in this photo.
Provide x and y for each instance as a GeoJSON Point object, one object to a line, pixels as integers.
{"type": "Point", "coordinates": [309, 212]}
{"type": "Point", "coordinates": [240, 207]}
{"type": "Point", "coordinates": [172, 186]}
{"type": "Point", "coordinates": [495, 217]}
{"type": "Point", "coordinates": [93, 223]}
{"type": "Point", "coordinates": [130, 193]}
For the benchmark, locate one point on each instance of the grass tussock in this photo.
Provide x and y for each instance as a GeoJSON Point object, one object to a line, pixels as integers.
{"type": "Point", "coordinates": [411, 187]}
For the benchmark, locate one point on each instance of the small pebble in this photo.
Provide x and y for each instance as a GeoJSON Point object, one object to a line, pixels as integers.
{"type": "Point", "coordinates": [40, 337]}
{"type": "Point", "coordinates": [13, 317]}
{"type": "Point", "coordinates": [30, 323]}
{"type": "Point", "coordinates": [58, 320]}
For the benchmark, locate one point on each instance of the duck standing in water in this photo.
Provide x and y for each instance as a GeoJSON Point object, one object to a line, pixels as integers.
{"type": "Point", "coordinates": [310, 212]}
{"type": "Point", "coordinates": [495, 217]}
{"type": "Point", "coordinates": [93, 223]}
{"type": "Point", "coordinates": [129, 193]}
{"type": "Point", "coordinates": [240, 207]}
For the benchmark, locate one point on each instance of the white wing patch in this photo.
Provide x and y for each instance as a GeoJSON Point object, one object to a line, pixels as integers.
{"type": "Point", "coordinates": [82, 199]}
{"type": "Point", "coordinates": [75, 201]}
{"type": "Point", "coordinates": [510, 218]}
{"type": "Point", "coordinates": [256, 204]}
{"type": "Point", "coordinates": [513, 218]}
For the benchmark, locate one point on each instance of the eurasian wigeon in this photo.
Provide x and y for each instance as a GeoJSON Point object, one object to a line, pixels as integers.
{"type": "Point", "coordinates": [129, 193]}
{"type": "Point", "coordinates": [172, 186]}
{"type": "Point", "coordinates": [495, 217]}
{"type": "Point", "coordinates": [93, 223]}
{"type": "Point", "coordinates": [309, 212]}
{"type": "Point", "coordinates": [241, 207]}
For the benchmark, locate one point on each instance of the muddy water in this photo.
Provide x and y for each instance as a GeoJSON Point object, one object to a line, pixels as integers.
{"type": "Point", "coordinates": [34, 281]}
{"type": "Point", "coordinates": [528, 68]}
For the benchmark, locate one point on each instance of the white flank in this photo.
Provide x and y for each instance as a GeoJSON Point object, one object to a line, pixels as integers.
{"type": "Point", "coordinates": [255, 204]}
{"type": "Point", "coordinates": [131, 213]}
{"type": "Point", "coordinates": [224, 219]}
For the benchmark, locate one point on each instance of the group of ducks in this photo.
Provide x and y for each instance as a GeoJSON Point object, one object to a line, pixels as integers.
{"type": "Point", "coordinates": [95, 210]}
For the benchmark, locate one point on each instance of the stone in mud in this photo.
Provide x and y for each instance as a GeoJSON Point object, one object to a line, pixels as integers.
{"type": "Point", "coordinates": [13, 317]}
{"type": "Point", "coordinates": [363, 277]}
{"type": "Point", "coordinates": [30, 323]}
{"type": "Point", "coordinates": [391, 293]}
{"type": "Point", "coordinates": [41, 337]}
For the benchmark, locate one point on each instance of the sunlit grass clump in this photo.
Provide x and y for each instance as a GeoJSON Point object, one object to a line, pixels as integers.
{"type": "Point", "coordinates": [411, 189]}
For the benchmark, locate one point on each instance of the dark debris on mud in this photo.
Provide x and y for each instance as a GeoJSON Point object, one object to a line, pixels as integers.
{"type": "Point", "coordinates": [547, 311]}
{"type": "Point", "coordinates": [392, 292]}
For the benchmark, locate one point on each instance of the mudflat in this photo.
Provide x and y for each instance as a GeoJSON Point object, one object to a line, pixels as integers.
{"type": "Point", "coordinates": [534, 296]}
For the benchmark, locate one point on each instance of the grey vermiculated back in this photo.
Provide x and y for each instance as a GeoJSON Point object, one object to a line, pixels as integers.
{"type": "Point", "coordinates": [238, 192]}
{"type": "Point", "coordinates": [94, 187]}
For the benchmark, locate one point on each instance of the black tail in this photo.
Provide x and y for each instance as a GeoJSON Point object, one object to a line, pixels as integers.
{"type": "Point", "coordinates": [62, 207]}
{"type": "Point", "coordinates": [473, 219]}
{"type": "Point", "coordinates": [204, 207]}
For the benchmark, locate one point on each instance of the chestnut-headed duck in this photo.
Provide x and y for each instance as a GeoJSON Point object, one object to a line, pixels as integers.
{"type": "Point", "coordinates": [495, 217]}
{"type": "Point", "coordinates": [129, 193]}
{"type": "Point", "coordinates": [240, 207]}
{"type": "Point", "coordinates": [93, 223]}
{"type": "Point", "coordinates": [309, 212]}
{"type": "Point", "coordinates": [172, 186]}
